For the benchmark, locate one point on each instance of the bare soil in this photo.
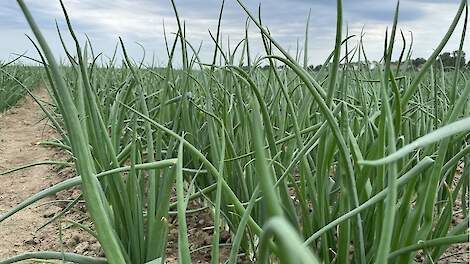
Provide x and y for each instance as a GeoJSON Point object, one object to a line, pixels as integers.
{"type": "Point", "coordinates": [200, 229]}
{"type": "Point", "coordinates": [21, 128]}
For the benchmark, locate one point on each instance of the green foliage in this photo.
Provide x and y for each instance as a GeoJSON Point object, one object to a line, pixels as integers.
{"type": "Point", "coordinates": [10, 90]}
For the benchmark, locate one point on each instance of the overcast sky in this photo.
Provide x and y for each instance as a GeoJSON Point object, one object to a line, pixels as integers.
{"type": "Point", "coordinates": [141, 21]}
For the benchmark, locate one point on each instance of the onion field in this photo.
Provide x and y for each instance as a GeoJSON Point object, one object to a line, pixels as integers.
{"type": "Point", "coordinates": [350, 162]}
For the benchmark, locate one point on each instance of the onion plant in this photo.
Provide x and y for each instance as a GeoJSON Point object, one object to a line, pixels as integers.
{"type": "Point", "coordinates": [10, 90]}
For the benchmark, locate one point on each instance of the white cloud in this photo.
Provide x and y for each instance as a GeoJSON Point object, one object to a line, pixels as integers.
{"type": "Point", "coordinates": [141, 21]}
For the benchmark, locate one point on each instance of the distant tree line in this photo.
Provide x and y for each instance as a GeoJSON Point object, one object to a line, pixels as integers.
{"type": "Point", "coordinates": [448, 60]}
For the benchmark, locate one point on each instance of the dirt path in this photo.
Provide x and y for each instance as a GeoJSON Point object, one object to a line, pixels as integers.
{"type": "Point", "coordinates": [19, 133]}
{"type": "Point", "coordinates": [21, 127]}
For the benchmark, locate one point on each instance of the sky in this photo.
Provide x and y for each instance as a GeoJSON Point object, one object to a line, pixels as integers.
{"type": "Point", "coordinates": [141, 23]}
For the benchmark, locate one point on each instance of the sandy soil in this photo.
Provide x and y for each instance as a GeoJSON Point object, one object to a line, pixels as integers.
{"type": "Point", "coordinates": [21, 127]}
